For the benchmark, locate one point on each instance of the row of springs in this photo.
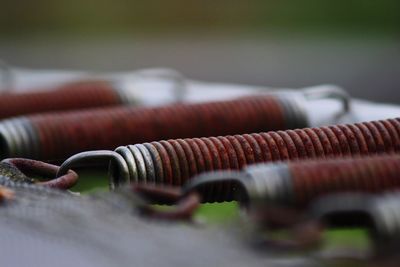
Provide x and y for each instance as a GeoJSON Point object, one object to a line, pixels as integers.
{"type": "Point", "coordinates": [299, 183]}
{"type": "Point", "coordinates": [59, 135]}
{"type": "Point", "coordinates": [70, 96]}
{"type": "Point", "coordinates": [317, 194]}
{"type": "Point", "coordinates": [173, 162]}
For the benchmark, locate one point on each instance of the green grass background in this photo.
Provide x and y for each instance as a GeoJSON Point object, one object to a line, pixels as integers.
{"type": "Point", "coordinates": [83, 17]}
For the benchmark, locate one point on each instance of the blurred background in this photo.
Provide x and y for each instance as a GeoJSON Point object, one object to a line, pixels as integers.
{"type": "Point", "coordinates": [352, 43]}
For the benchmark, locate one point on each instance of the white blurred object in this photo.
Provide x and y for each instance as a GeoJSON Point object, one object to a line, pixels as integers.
{"type": "Point", "coordinates": [363, 110]}
{"type": "Point", "coordinates": [162, 86]}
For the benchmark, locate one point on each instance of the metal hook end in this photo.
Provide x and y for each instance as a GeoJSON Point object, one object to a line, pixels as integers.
{"type": "Point", "coordinates": [179, 80]}
{"type": "Point", "coordinates": [32, 167]}
{"type": "Point", "coordinates": [6, 77]}
{"type": "Point", "coordinates": [333, 92]}
{"type": "Point", "coordinates": [202, 180]}
{"type": "Point", "coordinates": [73, 161]}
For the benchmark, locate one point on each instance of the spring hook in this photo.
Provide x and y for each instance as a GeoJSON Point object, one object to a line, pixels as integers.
{"type": "Point", "coordinates": [6, 77]}
{"type": "Point", "coordinates": [100, 155]}
{"type": "Point", "coordinates": [185, 206]}
{"type": "Point", "coordinates": [330, 92]}
{"type": "Point", "coordinates": [57, 136]}
{"type": "Point", "coordinates": [178, 79]}
{"type": "Point", "coordinates": [173, 162]}
{"type": "Point", "coordinates": [349, 199]}
{"type": "Point", "coordinates": [42, 169]}
{"type": "Point", "coordinates": [379, 214]}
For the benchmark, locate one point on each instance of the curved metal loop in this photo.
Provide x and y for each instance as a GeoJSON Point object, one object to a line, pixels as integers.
{"type": "Point", "coordinates": [116, 158]}
{"type": "Point", "coordinates": [6, 77]}
{"type": "Point", "coordinates": [184, 208]}
{"type": "Point", "coordinates": [197, 182]}
{"type": "Point", "coordinates": [180, 82]}
{"type": "Point", "coordinates": [330, 92]}
{"type": "Point", "coordinates": [303, 234]}
{"type": "Point", "coordinates": [32, 167]}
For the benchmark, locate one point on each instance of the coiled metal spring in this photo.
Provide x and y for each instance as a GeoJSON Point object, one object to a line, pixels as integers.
{"type": "Point", "coordinates": [76, 95]}
{"type": "Point", "coordinates": [173, 162]}
{"type": "Point", "coordinates": [57, 136]}
{"type": "Point", "coordinates": [299, 183]}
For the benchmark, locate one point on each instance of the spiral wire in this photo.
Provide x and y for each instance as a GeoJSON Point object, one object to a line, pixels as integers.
{"type": "Point", "coordinates": [173, 162]}
{"type": "Point", "coordinates": [62, 134]}
{"type": "Point", "coordinates": [300, 183]}
{"type": "Point", "coordinates": [73, 95]}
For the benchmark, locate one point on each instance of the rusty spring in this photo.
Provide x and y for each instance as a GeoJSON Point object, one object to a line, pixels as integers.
{"type": "Point", "coordinates": [298, 183]}
{"type": "Point", "coordinates": [74, 95]}
{"type": "Point", "coordinates": [59, 135]}
{"type": "Point", "coordinates": [173, 162]}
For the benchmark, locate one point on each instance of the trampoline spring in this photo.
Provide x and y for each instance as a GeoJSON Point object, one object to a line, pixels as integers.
{"type": "Point", "coordinates": [59, 135]}
{"type": "Point", "coordinates": [175, 161]}
{"type": "Point", "coordinates": [69, 96]}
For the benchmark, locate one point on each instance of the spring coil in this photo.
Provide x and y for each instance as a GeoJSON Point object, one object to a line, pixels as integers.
{"type": "Point", "coordinates": [59, 135]}
{"type": "Point", "coordinates": [299, 183]}
{"type": "Point", "coordinates": [173, 162]}
{"type": "Point", "coordinates": [76, 95]}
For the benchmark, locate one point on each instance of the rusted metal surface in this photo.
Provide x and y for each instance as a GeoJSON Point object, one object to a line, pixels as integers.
{"type": "Point", "coordinates": [44, 170]}
{"type": "Point", "coordinates": [299, 183]}
{"type": "Point", "coordinates": [173, 162]}
{"type": "Point", "coordinates": [353, 201]}
{"type": "Point", "coordinates": [77, 95]}
{"type": "Point", "coordinates": [378, 213]}
{"type": "Point", "coordinates": [57, 136]}
{"type": "Point", "coordinates": [368, 174]}
{"type": "Point", "coordinates": [184, 206]}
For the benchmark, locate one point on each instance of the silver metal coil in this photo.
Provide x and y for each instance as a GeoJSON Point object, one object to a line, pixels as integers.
{"type": "Point", "coordinates": [270, 182]}
{"type": "Point", "coordinates": [142, 163]}
{"type": "Point", "coordinates": [18, 137]}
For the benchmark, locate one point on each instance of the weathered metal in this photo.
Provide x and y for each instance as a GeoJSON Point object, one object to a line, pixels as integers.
{"type": "Point", "coordinates": [363, 194]}
{"type": "Point", "coordinates": [379, 214]}
{"type": "Point", "coordinates": [20, 170]}
{"type": "Point", "coordinates": [173, 162]}
{"type": "Point", "coordinates": [69, 96]}
{"type": "Point", "coordinates": [59, 135]}
{"type": "Point", "coordinates": [299, 183]}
